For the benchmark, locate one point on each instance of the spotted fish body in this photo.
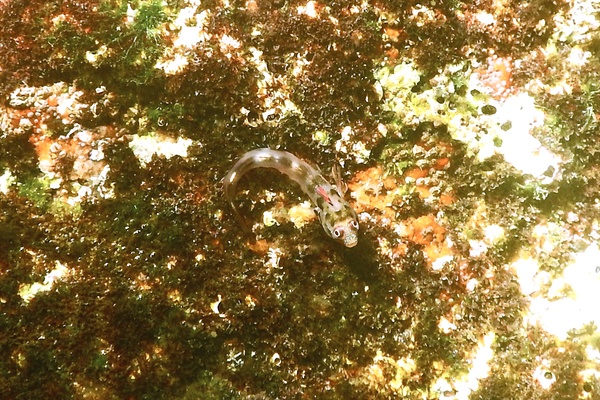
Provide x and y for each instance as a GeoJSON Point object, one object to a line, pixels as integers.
{"type": "Point", "coordinates": [338, 219]}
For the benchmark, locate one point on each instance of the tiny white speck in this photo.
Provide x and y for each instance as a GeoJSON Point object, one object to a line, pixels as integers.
{"type": "Point", "coordinates": [232, 177]}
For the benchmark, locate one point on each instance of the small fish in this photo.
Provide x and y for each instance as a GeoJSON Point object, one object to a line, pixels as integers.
{"type": "Point", "coordinates": [339, 220]}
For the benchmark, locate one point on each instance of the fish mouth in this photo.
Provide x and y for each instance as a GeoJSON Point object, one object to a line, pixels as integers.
{"type": "Point", "coordinates": [351, 240]}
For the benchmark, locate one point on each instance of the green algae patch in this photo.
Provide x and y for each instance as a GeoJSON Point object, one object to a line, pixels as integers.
{"type": "Point", "coordinates": [38, 191]}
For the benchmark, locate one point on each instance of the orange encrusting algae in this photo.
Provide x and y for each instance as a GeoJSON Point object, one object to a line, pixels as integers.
{"type": "Point", "coordinates": [496, 76]}
{"type": "Point", "coordinates": [374, 191]}
{"type": "Point", "coordinates": [371, 190]}
{"type": "Point", "coordinates": [426, 231]}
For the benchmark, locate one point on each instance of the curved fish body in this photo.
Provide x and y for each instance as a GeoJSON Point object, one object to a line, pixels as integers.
{"type": "Point", "coordinates": [338, 218]}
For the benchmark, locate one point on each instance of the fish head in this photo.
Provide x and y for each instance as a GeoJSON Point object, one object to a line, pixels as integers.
{"type": "Point", "coordinates": [342, 225]}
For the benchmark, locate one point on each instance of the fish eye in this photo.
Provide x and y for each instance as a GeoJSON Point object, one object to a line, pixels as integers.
{"type": "Point", "coordinates": [354, 224]}
{"type": "Point", "coordinates": [337, 233]}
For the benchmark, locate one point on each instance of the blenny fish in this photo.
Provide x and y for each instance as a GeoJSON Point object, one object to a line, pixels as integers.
{"type": "Point", "coordinates": [338, 218]}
